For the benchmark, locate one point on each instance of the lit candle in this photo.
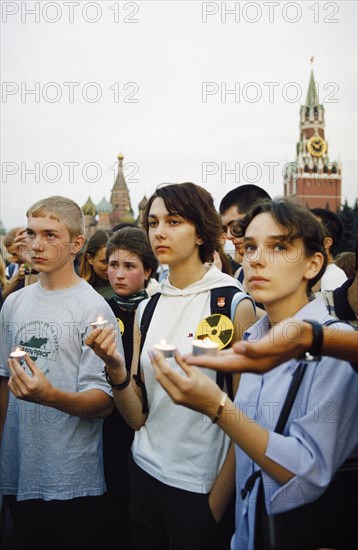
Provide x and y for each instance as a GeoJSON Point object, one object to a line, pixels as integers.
{"type": "Point", "coordinates": [205, 347]}
{"type": "Point", "coordinates": [100, 323]}
{"type": "Point", "coordinates": [18, 354]}
{"type": "Point", "coordinates": [167, 350]}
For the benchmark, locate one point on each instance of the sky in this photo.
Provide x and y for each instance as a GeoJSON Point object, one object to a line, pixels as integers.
{"type": "Point", "coordinates": [208, 92]}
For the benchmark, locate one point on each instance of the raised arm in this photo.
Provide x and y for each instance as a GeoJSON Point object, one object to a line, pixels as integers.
{"type": "Point", "coordinates": [224, 485]}
{"type": "Point", "coordinates": [11, 285]}
{"type": "Point", "coordinates": [196, 391]}
{"type": "Point", "coordinates": [127, 396]}
{"type": "Point", "coordinates": [287, 340]}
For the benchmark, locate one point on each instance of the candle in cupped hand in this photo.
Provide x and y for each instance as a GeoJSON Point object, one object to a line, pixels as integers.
{"type": "Point", "coordinates": [19, 354]}
{"type": "Point", "coordinates": [167, 350]}
{"type": "Point", "coordinates": [100, 323]}
{"type": "Point", "coordinates": [205, 347]}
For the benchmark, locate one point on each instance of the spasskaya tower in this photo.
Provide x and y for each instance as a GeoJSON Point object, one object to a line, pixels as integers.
{"type": "Point", "coordinates": [313, 180]}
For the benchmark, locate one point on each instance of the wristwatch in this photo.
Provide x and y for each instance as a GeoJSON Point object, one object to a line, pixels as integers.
{"type": "Point", "coordinates": [315, 351]}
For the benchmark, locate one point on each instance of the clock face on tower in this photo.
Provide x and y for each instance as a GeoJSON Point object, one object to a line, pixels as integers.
{"type": "Point", "coordinates": [316, 146]}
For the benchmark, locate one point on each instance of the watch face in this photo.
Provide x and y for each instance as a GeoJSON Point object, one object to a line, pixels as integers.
{"type": "Point", "coordinates": [316, 146]}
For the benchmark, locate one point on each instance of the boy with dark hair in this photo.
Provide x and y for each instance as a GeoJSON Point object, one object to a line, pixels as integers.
{"type": "Point", "coordinates": [334, 276]}
{"type": "Point", "coordinates": [234, 205]}
{"type": "Point", "coordinates": [51, 463]}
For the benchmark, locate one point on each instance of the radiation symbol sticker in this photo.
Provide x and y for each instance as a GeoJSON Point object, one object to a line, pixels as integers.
{"type": "Point", "coordinates": [218, 328]}
{"type": "Point", "coordinates": [121, 325]}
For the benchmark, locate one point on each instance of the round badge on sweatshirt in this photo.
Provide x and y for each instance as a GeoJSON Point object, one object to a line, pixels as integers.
{"type": "Point", "coordinates": [218, 328]}
{"type": "Point", "coordinates": [121, 325]}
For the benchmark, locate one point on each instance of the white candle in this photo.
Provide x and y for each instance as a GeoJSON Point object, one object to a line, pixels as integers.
{"type": "Point", "coordinates": [167, 350]}
{"type": "Point", "coordinates": [205, 347]}
{"type": "Point", "coordinates": [100, 323]}
{"type": "Point", "coordinates": [18, 354]}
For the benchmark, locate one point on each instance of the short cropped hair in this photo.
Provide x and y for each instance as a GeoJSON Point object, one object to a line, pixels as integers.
{"type": "Point", "coordinates": [299, 222]}
{"type": "Point", "coordinates": [332, 224]}
{"type": "Point", "coordinates": [196, 206]}
{"type": "Point", "coordinates": [62, 210]}
{"type": "Point", "coordinates": [134, 240]}
{"type": "Point", "coordinates": [243, 198]}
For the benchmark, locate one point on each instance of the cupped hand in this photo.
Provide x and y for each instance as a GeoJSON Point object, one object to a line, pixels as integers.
{"type": "Point", "coordinates": [103, 341]}
{"type": "Point", "coordinates": [35, 387]}
{"type": "Point", "coordinates": [194, 390]}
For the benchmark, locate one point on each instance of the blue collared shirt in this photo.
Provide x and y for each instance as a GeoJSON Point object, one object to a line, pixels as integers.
{"type": "Point", "coordinates": [321, 433]}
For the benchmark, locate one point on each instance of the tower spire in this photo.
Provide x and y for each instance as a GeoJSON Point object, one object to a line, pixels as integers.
{"type": "Point", "coordinates": [312, 94]}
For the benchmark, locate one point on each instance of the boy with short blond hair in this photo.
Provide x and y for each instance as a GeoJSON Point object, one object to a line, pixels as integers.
{"type": "Point", "coordinates": [51, 465]}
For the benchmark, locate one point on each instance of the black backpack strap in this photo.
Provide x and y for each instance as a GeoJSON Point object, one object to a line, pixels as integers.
{"type": "Point", "coordinates": [285, 412]}
{"type": "Point", "coordinates": [223, 296]}
{"type": "Point", "coordinates": [226, 292]}
{"type": "Point", "coordinates": [144, 325]}
{"type": "Point", "coordinates": [282, 420]}
{"type": "Point", "coordinates": [241, 276]}
{"type": "Point", "coordinates": [147, 316]}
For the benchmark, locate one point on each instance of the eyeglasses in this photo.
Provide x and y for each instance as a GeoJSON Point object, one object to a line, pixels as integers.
{"type": "Point", "coordinates": [235, 228]}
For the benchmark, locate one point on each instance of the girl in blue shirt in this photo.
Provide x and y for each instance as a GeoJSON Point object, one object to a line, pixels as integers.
{"type": "Point", "coordinates": [284, 258]}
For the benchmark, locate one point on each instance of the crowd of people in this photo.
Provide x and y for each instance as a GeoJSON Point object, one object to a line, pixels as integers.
{"type": "Point", "coordinates": [119, 423]}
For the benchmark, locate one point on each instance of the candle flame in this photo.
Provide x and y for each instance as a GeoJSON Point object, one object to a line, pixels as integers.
{"type": "Point", "coordinates": [99, 319]}
{"type": "Point", "coordinates": [163, 343]}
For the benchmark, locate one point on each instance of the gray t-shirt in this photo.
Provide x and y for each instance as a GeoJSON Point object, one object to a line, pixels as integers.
{"type": "Point", "coordinates": [46, 453]}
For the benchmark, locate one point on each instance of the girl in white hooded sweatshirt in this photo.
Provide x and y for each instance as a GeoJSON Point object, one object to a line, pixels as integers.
{"type": "Point", "coordinates": [284, 258]}
{"type": "Point", "coordinates": [182, 465]}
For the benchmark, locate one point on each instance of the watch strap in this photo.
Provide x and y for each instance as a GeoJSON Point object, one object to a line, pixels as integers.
{"type": "Point", "coordinates": [117, 386]}
{"type": "Point", "coordinates": [315, 351]}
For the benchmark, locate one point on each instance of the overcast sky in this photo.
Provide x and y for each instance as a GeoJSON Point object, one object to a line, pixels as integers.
{"type": "Point", "coordinates": [208, 92]}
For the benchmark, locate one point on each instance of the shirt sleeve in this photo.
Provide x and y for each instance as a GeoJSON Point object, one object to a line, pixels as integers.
{"type": "Point", "coordinates": [316, 442]}
{"type": "Point", "coordinates": [6, 329]}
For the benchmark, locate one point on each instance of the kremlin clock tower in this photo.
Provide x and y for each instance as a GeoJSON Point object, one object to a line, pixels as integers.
{"type": "Point", "coordinates": [313, 180]}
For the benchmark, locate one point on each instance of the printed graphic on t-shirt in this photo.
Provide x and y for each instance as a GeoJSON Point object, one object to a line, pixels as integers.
{"type": "Point", "coordinates": [39, 339]}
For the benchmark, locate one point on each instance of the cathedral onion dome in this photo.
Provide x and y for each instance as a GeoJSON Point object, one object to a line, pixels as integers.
{"type": "Point", "coordinates": [120, 156]}
{"type": "Point", "coordinates": [89, 208]}
{"type": "Point", "coordinates": [2, 229]}
{"type": "Point", "coordinates": [143, 203]}
{"type": "Point", "coordinates": [104, 206]}
{"type": "Point", "coordinates": [127, 217]}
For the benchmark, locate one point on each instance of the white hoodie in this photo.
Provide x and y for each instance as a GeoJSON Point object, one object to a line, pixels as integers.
{"type": "Point", "coordinates": [178, 446]}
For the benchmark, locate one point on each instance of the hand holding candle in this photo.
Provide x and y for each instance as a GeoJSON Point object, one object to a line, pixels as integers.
{"type": "Point", "coordinates": [18, 354]}
{"type": "Point", "coordinates": [205, 347]}
{"type": "Point", "coordinates": [167, 350]}
{"type": "Point", "coordinates": [100, 323]}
